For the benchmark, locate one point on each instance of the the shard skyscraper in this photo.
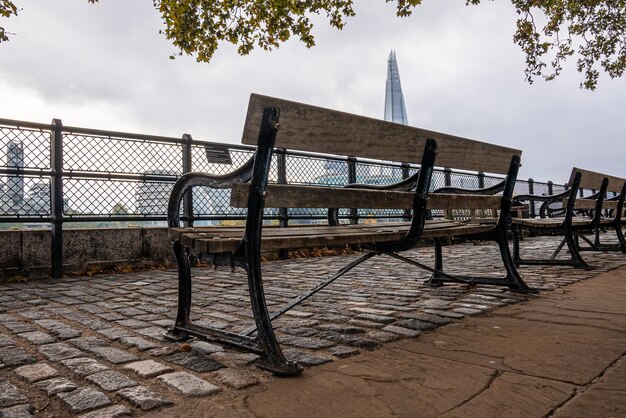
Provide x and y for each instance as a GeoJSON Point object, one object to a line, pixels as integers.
{"type": "Point", "coordinates": [395, 110]}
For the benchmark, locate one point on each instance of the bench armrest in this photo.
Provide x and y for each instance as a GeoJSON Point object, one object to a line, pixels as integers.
{"type": "Point", "coordinates": [544, 211]}
{"type": "Point", "coordinates": [187, 181]}
{"type": "Point", "coordinates": [553, 198]}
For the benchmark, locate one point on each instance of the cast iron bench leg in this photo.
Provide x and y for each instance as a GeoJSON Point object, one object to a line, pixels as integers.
{"type": "Point", "coordinates": [575, 261]}
{"type": "Point", "coordinates": [573, 250]}
{"type": "Point", "coordinates": [513, 279]}
{"type": "Point", "coordinates": [274, 359]}
{"type": "Point", "coordinates": [435, 278]}
{"type": "Point", "coordinates": [184, 292]}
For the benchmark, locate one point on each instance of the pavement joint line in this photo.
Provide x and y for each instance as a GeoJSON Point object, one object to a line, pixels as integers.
{"type": "Point", "coordinates": [580, 389]}
{"type": "Point", "coordinates": [507, 368]}
{"type": "Point", "coordinates": [492, 378]}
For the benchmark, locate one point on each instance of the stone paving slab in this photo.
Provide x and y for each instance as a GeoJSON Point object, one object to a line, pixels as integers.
{"type": "Point", "coordinates": [18, 411]}
{"type": "Point", "coordinates": [84, 399]}
{"type": "Point", "coordinates": [144, 398]}
{"type": "Point", "coordinates": [10, 395]}
{"type": "Point", "coordinates": [56, 385]}
{"type": "Point", "coordinates": [110, 380]}
{"type": "Point", "coordinates": [148, 368]}
{"type": "Point", "coordinates": [188, 384]}
{"type": "Point", "coordinates": [36, 372]}
{"type": "Point", "coordinates": [606, 398]}
{"type": "Point", "coordinates": [120, 320]}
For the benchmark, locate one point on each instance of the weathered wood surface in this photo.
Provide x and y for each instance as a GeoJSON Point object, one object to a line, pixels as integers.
{"type": "Point", "coordinates": [591, 204]}
{"type": "Point", "coordinates": [315, 129]}
{"type": "Point", "coordinates": [554, 222]}
{"type": "Point", "coordinates": [593, 180]}
{"type": "Point", "coordinates": [216, 240]}
{"type": "Point", "coordinates": [296, 196]}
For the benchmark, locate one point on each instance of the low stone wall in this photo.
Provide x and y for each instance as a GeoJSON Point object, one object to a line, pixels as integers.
{"type": "Point", "coordinates": [27, 252]}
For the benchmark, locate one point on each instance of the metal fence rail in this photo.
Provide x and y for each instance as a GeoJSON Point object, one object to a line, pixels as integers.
{"type": "Point", "coordinates": [64, 176]}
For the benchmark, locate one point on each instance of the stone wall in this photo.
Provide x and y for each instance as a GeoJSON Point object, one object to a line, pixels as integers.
{"type": "Point", "coordinates": [27, 252]}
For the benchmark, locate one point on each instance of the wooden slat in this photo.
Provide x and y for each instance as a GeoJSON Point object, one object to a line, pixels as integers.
{"type": "Point", "coordinates": [457, 231]}
{"type": "Point", "coordinates": [463, 201]}
{"type": "Point", "coordinates": [548, 222]}
{"type": "Point", "coordinates": [593, 180]}
{"type": "Point", "coordinates": [296, 196]}
{"type": "Point", "coordinates": [315, 129]}
{"type": "Point", "coordinates": [214, 240]}
{"type": "Point", "coordinates": [225, 232]}
{"type": "Point", "coordinates": [591, 204]}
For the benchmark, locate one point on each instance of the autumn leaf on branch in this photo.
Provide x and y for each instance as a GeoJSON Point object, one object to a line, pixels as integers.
{"type": "Point", "coordinates": [7, 9]}
{"type": "Point", "coordinates": [592, 31]}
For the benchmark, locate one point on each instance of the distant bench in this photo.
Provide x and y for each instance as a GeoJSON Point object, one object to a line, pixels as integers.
{"type": "Point", "coordinates": [611, 215]}
{"type": "Point", "coordinates": [578, 216]}
{"type": "Point", "coordinates": [271, 123]}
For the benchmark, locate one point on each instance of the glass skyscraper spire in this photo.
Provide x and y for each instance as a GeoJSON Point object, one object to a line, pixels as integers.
{"type": "Point", "coordinates": [395, 110]}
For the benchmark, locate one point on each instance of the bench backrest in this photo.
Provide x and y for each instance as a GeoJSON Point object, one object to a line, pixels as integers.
{"type": "Point", "coordinates": [593, 180]}
{"type": "Point", "coordinates": [316, 129]}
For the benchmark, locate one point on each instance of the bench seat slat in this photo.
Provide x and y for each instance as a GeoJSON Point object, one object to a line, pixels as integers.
{"type": "Point", "coordinates": [554, 222]}
{"type": "Point", "coordinates": [211, 239]}
{"type": "Point", "coordinates": [297, 229]}
{"type": "Point", "coordinates": [219, 231]}
{"type": "Point", "coordinates": [297, 196]}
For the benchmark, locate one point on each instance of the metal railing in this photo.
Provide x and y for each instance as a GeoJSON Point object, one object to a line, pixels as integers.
{"type": "Point", "coordinates": [66, 177]}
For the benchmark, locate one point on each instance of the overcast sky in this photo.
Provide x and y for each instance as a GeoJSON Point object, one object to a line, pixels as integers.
{"type": "Point", "coordinates": [106, 66]}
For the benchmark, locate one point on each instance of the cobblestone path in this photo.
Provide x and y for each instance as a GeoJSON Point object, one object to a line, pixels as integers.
{"type": "Point", "coordinates": [93, 346]}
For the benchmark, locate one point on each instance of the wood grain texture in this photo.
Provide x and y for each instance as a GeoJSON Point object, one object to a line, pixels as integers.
{"type": "Point", "coordinates": [591, 204]}
{"type": "Point", "coordinates": [315, 129]}
{"type": "Point", "coordinates": [550, 222]}
{"type": "Point", "coordinates": [214, 240]}
{"type": "Point", "coordinates": [593, 180]}
{"type": "Point", "coordinates": [296, 196]}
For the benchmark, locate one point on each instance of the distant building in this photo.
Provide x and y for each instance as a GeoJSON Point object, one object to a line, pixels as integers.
{"type": "Point", "coordinates": [395, 110]}
{"type": "Point", "coordinates": [15, 184]}
{"type": "Point", "coordinates": [152, 196]}
{"type": "Point", "coordinates": [38, 199]}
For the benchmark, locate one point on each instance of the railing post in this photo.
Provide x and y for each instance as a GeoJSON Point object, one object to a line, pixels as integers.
{"type": "Point", "coordinates": [406, 172]}
{"type": "Point", "coordinates": [56, 197]}
{"type": "Point", "coordinates": [187, 168]}
{"type": "Point", "coordinates": [531, 190]}
{"type": "Point", "coordinates": [550, 187]}
{"type": "Point", "coordinates": [481, 180]}
{"type": "Point", "coordinates": [283, 213]}
{"type": "Point", "coordinates": [354, 214]}
{"type": "Point", "coordinates": [447, 177]}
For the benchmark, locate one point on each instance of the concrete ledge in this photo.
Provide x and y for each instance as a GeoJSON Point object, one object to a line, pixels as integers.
{"type": "Point", "coordinates": [27, 252]}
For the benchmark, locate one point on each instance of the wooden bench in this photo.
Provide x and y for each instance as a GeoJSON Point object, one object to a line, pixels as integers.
{"type": "Point", "coordinates": [580, 215]}
{"type": "Point", "coordinates": [275, 123]}
{"type": "Point", "coordinates": [611, 216]}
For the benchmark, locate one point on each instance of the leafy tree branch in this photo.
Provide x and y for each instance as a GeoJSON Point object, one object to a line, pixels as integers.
{"type": "Point", "coordinates": [594, 31]}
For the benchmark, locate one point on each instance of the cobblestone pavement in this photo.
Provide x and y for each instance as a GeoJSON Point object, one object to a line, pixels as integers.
{"type": "Point", "coordinates": [93, 346]}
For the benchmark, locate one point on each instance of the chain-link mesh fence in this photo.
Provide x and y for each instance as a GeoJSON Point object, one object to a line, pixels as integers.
{"type": "Point", "coordinates": [111, 175]}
